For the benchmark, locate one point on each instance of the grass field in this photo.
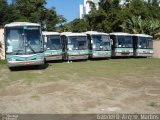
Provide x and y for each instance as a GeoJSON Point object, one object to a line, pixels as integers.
{"type": "Point", "coordinates": [117, 85]}
{"type": "Point", "coordinates": [2, 62]}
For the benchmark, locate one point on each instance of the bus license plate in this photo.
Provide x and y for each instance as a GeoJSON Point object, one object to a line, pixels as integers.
{"type": "Point", "coordinates": [26, 63]}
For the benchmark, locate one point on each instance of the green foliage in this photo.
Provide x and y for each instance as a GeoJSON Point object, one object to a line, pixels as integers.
{"type": "Point", "coordinates": [2, 62]}
{"type": "Point", "coordinates": [142, 17]}
{"type": "Point", "coordinates": [29, 11]}
{"type": "Point", "coordinates": [4, 8]}
{"type": "Point", "coordinates": [135, 16]}
{"type": "Point", "coordinates": [79, 25]}
{"type": "Point", "coordinates": [64, 28]}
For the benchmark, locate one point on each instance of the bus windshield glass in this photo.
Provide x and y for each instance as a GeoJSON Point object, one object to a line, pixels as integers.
{"type": "Point", "coordinates": [21, 40]}
{"type": "Point", "coordinates": [53, 42]}
{"type": "Point", "coordinates": [15, 43]}
{"type": "Point", "coordinates": [145, 42]}
{"type": "Point", "coordinates": [101, 42]}
{"type": "Point", "coordinates": [33, 40]}
{"type": "Point", "coordinates": [77, 43]}
{"type": "Point", "coordinates": [124, 42]}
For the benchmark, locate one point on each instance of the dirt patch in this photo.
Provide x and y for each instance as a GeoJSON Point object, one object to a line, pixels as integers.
{"type": "Point", "coordinates": [13, 91]}
{"type": "Point", "coordinates": [153, 92]}
{"type": "Point", "coordinates": [51, 88]}
{"type": "Point", "coordinates": [92, 95]}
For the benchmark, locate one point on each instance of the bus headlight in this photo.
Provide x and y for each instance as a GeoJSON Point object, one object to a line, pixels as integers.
{"type": "Point", "coordinates": [150, 51]}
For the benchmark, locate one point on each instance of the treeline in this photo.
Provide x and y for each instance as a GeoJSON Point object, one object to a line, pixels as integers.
{"type": "Point", "coordinates": [29, 11]}
{"type": "Point", "coordinates": [135, 16]}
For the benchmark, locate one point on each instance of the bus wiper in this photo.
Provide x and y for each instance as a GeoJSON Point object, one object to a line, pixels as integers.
{"type": "Point", "coordinates": [30, 47]}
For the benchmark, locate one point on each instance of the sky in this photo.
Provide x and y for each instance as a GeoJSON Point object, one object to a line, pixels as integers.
{"type": "Point", "coordinates": [68, 8]}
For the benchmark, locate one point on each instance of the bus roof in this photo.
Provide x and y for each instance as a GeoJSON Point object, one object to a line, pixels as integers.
{"type": "Point", "coordinates": [120, 33]}
{"type": "Point", "coordinates": [142, 35]}
{"type": "Point", "coordinates": [95, 33]}
{"type": "Point", "coordinates": [73, 34]}
{"type": "Point", "coordinates": [50, 33]}
{"type": "Point", "coordinates": [13, 24]}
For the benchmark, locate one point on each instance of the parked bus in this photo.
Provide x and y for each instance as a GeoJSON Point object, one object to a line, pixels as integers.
{"type": "Point", "coordinates": [122, 44]}
{"type": "Point", "coordinates": [75, 46]}
{"type": "Point", "coordinates": [23, 44]}
{"type": "Point", "coordinates": [143, 45]}
{"type": "Point", "coordinates": [52, 46]}
{"type": "Point", "coordinates": [99, 44]}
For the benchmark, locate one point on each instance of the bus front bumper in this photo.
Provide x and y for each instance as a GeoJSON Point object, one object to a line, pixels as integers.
{"type": "Point", "coordinates": [144, 54]}
{"type": "Point", "coordinates": [120, 54]}
{"type": "Point", "coordinates": [53, 57]}
{"type": "Point", "coordinates": [24, 63]}
{"type": "Point", "coordinates": [100, 55]}
{"type": "Point", "coordinates": [77, 57]}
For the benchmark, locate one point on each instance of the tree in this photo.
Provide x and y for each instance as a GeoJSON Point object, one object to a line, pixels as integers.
{"type": "Point", "coordinates": [107, 18]}
{"type": "Point", "coordinates": [92, 6]}
{"type": "Point", "coordinates": [105, 5]}
{"type": "Point", "coordinates": [62, 28]}
{"type": "Point", "coordinates": [79, 25]}
{"type": "Point", "coordinates": [151, 26]}
{"type": "Point", "coordinates": [29, 11]}
{"type": "Point", "coordinates": [133, 25]}
{"type": "Point", "coordinates": [51, 19]}
{"type": "Point", "coordinates": [142, 20]}
{"type": "Point", "coordinates": [3, 11]}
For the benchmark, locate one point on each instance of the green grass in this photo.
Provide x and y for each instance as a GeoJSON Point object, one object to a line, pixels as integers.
{"type": "Point", "coordinates": [2, 62]}
{"type": "Point", "coordinates": [116, 69]}
{"type": "Point", "coordinates": [35, 97]}
{"type": "Point", "coordinates": [154, 104]}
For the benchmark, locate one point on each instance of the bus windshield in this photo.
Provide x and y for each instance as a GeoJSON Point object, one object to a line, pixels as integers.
{"type": "Point", "coordinates": [53, 42]}
{"type": "Point", "coordinates": [15, 43]}
{"type": "Point", "coordinates": [20, 40]}
{"type": "Point", "coordinates": [101, 42]}
{"type": "Point", "coordinates": [145, 42]}
{"type": "Point", "coordinates": [77, 43]}
{"type": "Point", "coordinates": [124, 42]}
{"type": "Point", "coordinates": [33, 40]}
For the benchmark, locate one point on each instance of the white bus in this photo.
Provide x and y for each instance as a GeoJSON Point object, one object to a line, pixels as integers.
{"type": "Point", "coordinates": [23, 44]}
{"type": "Point", "coordinates": [75, 46]}
{"type": "Point", "coordinates": [143, 45]}
{"type": "Point", "coordinates": [52, 46]}
{"type": "Point", "coordinates": [99, 44]}
{"type": "Point", "coordinates": [122, 44]}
